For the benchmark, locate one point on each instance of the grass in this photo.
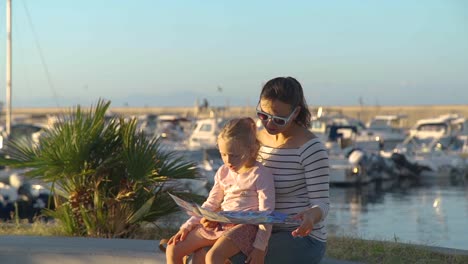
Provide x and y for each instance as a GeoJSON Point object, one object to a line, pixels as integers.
{"type": "Point", "coordinates": [344, 248]}
{"type": "Point", "coordinates": [23, 228]}
{"type": "Point", "coordinates": [371, 251]}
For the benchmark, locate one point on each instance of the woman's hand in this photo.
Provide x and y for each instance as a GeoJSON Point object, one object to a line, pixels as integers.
{"type": "Point", "coordinates": [257, 256]}
{"type": "Point", "coordinates": [179, 236]}
{"type": "Point", "coordinates": [208, 224]}
{"type": "Point", "coordinates": [308, 217]}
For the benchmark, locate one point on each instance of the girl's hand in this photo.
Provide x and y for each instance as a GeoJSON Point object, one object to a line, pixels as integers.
{"type": "Point", "coordinates": [309, 217]}
{"type": "Point", "coordinates": [179, 236]}
{"type": "Point", "coordinates": [208, 224]}
{"type": "Point", "coordinates": [257, 256]}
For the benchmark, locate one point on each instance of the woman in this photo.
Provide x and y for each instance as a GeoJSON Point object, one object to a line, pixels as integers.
{"type": "Point", "coordinates": [299, 164]}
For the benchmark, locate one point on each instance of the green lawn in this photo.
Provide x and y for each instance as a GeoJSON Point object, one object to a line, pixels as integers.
{"type": "Point", "coordinates": [370, 251]}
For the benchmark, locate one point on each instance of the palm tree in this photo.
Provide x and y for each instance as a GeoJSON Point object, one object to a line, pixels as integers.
{"type": "Point", "coordinates": [106, 177]}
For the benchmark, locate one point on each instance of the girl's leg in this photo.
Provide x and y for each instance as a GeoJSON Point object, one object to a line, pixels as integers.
{"type": "Point", "coordinates": [176, 252]}
{"type": "Point", "coordinates": [198, 257]}
{"type": "Point", "coordinates": [221, 251]}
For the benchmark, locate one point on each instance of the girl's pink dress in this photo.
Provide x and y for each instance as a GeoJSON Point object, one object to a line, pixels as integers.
{"type": "Point", "coordinates": [250, 191]}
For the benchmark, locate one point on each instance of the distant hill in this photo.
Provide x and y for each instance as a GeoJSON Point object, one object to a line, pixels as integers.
{"type": "Point", "coordinates": [185, 99]}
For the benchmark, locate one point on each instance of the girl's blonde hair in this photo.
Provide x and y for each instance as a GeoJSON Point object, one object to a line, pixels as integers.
{"type": "Point", "coordinates": [244, 131]}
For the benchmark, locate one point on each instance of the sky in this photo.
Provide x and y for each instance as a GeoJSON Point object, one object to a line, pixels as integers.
{"type": "Point", "coordinates": [171, 53]}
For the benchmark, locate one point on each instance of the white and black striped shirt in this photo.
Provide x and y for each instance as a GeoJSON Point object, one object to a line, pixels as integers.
{"type": "Point", "coordinates": [301, 181]}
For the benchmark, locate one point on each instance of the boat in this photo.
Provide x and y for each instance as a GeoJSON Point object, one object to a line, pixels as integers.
{"type": "Point", "coordinates": [359, 167]}
{"type": "Point", "coordinates": [438, 144]}
{"type": "Point", "coordinates": [21, 132]}
{"type": "Point", "coordinates": [388, 130]}
{"type": "Point", "coordinates": [205, 133]}
{"type": "Point", "coordinates": [147, 124]}
{"type": "Point", "coordinates": [22, 198]}
{"type": "Point", "coordinates": [171, 127]}
{"type": "Point", "coordinates": [340, 131]}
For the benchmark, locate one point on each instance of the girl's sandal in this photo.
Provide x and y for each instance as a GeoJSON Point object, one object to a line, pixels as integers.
{"type": "Point", "coordinates": [163, 244]}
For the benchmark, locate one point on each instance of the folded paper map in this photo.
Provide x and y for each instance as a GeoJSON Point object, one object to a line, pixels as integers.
{"type": "Point", "coordinates": [235, 217]}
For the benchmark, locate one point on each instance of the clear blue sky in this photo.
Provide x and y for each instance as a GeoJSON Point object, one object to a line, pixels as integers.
{"type": "Point", "coordinates": [160, 53]}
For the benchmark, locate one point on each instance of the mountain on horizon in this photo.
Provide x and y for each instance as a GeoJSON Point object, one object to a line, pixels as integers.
{"type": "Point", "coordinates": [187, 99]}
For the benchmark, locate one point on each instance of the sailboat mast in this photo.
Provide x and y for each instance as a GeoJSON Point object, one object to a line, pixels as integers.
{"type": "Point", "coordinates": [8, 68]}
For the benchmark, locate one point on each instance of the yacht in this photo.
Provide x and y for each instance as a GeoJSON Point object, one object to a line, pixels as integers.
{"type": "Point", "coordinates": [205, 133]}
{"type": "Point", "coordinates": [388, 130]}
{"type": "Point", "coordinates": [436, 143]}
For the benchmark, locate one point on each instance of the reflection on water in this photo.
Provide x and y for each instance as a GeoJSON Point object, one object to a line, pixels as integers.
{"type": "Point", "coordinates": [434, 213]}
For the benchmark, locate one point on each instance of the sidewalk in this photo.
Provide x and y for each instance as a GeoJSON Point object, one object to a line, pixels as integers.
{"type": "Point", "coordinates": [78, 250]}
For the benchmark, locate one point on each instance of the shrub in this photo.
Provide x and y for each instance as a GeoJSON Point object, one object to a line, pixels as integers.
{"type": "Point", "coordinates": [106, 178]}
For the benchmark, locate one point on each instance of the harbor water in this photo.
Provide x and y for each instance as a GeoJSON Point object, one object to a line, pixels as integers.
{"type": "Point", "coordinates": [432, 212]}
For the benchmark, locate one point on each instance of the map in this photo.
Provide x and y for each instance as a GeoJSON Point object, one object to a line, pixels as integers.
{"type": "Point", "coordinates": [235, 217]}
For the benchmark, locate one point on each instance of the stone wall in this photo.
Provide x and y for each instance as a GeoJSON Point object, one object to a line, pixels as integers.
{"type": "Point", "coordinates": [364, 113]}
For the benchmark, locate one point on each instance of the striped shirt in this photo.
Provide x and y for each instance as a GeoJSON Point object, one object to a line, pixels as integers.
{"type": "Point", "coordinates": [301, 181]}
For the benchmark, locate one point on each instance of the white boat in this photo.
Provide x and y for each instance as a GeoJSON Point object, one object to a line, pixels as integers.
{"type": "Point", "coordinates": [358, 167]}
{"type": "Point", "coordinates": [342, 131]}
{"type": "Point", "coordinates": [19, 196]}
{"type": "Point", "coordinates": [436, 143]}
{"type": "Point", "coordinates": [205, 133]}
{"type": "Point", "coordinates": [460, 146]}
{"type": "Point", "coordinates": [147, 124]}
{"type": "Point", "coordinates": [21, 131]}
{"type": "Point", "coordinates": [388, 130]}
{"type": "Point", "coordinates": [347, 167]}
{"type": "Point", "coordinates": [343, 172]}
{"type": "Point", "coordinates": [339, 136]}
{"type": "Point", "coordinates": [171, 127]}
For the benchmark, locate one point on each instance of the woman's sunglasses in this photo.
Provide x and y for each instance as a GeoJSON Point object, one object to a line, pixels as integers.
{"type": "Point", "coordinates": [277, 120]}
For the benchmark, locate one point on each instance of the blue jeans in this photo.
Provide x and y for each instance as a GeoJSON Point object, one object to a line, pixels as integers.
{"type": "Point", "coordinates": [284, 248]}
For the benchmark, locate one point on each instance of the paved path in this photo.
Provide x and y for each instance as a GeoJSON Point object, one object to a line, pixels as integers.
{"type": "Point", "coordinates": [73, 250]}
{"type": "Point", "coordinates": [78, 250]}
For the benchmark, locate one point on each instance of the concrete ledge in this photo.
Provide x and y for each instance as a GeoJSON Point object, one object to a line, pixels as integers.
{"type": "Point", "coordinates": [77, 250]}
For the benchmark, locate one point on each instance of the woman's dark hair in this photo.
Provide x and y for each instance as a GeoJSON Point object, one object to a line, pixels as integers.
{"type": "Point", "coordinates": [288, 90]}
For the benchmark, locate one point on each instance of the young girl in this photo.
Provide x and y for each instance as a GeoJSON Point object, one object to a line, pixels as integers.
{"type": "Point", "coordinates": [241, 184]}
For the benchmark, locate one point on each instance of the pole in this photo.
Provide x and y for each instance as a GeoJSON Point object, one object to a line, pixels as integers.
{"type": "Point", "coordinates": [8, 68]}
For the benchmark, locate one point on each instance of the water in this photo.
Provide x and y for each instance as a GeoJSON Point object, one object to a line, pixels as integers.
{"type": "Point", "coordinates": [434, 214]}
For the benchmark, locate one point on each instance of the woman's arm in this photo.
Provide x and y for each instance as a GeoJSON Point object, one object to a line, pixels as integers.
{"type": "Point", "coordinates": [314, 158]}
{"type": "Point", "coordinates": [266, 202]}
{"type": "Point", "coordinates": [309, 217]}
